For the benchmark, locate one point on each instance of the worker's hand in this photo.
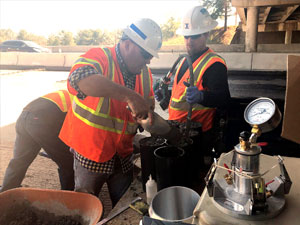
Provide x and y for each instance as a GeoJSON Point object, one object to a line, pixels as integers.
{"type": "Point", "coordinates": [138, 106]}
{"type": "Point", "coordinates": [193, 95]}
{"type": "Point", "coordinates": [147, 121]}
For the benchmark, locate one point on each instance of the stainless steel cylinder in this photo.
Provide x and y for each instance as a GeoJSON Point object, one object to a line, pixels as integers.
{"type": "Point", "coordinates": [242, 184]}
{"type": "Point", "coordinates": [246, 161]}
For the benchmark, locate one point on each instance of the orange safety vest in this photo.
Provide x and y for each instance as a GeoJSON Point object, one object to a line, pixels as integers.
{"type": "Point", "coordinates": [178, 107]}
{"type": "Point", "coordinates": [62, 98]}
{"type": "Point", "coordinates": [98, 127]}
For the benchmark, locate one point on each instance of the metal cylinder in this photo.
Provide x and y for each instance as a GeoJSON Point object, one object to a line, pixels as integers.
{"type": "Point", "coordinates": [246, 161]}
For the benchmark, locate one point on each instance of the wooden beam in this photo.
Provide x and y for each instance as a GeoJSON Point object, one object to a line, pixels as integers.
{"type": "Point", "coordinates": [249, 3]}
{"type": "Point", "coordinates": [288, 12]}
{"type": "Point", "coordinates": [241, 12]}
{"type": "Point", "coordinates": [273, 27]}
{"type": "Point", "coordinates": [265, 15]}
{"type": "Point", "coordinates": [288, 37]}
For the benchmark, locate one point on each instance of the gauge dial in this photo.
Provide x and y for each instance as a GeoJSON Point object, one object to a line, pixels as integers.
{"type": "Point", "coordinates": [259, 111]}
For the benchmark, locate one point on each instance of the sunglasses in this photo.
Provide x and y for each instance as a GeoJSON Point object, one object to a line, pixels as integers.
{"type": "Point", "coordinates": [145, 54]}
{"type": "Point", "coordinates": [193, 37]}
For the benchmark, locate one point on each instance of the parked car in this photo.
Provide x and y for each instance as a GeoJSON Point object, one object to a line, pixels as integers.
{"type": "Point", "coordinates": [22, 46]}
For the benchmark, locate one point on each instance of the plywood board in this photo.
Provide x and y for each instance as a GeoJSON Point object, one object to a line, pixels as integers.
{"type": "Point", "coordinates": [291, 119]}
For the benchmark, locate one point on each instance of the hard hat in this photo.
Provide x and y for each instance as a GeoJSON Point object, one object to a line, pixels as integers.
{"type": "Point", "coordinates": [196, 21]}
{"type": "Point", "coordinates": [145, 33]}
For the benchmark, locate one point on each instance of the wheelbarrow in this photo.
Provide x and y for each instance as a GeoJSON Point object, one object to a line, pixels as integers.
{"type": "Point", "coordinates": [58, 202]}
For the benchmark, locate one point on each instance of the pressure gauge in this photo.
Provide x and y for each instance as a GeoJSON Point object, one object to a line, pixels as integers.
{"type": "Point", "coordinates": [264, 113]}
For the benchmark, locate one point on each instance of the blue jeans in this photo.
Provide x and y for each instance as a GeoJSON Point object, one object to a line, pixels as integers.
{"type": "Point", "coordinates": [92, 182]}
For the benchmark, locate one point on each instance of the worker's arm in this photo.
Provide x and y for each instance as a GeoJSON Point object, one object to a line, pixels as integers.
{"type": "Point", "coordinates": [216, 82]}
{"type": "Point", "coordinates": [87, 82]}
{"type": "Point", "coordinates": [99, 86]}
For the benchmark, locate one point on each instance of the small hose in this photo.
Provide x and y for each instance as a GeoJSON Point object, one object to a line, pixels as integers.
{"type": "Point", "coordinates": [189, 115]}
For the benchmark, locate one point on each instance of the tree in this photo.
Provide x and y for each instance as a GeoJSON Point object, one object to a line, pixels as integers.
{"type": "Point", "coordinates": [114, 36]}
{"type": "Point", "coordinates": [7, 34]}
{"type": "Point", "coordinates": [53, 40]}
{"type": "Point", "coordinates": [66, 38]}
{"type": "Point", "coordinates": [218, 9]}
{"type": "Point", "coordinates": [91, 37]}
{"type": "Point", "coordinates": [169, 29]}
{"type": "Point", "coordinates": [24, 35]}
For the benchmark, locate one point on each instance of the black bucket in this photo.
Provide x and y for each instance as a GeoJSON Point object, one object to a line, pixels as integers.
{"type": "Point", "coordinates": [147, 147]}
{"type": "Point", "coordinates": [170, 167]}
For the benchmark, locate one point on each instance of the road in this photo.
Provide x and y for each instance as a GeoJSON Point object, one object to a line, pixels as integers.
{"type": "Point", "coordinates": [18, 88]}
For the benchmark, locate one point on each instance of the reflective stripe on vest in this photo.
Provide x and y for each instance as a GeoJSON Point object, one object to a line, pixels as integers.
{"type": "Point", "coordinates": [89, 62]}
{"type": "Point", "coordinates": [63, 99]}
{"type": "Point", "coordinates": [100, 118]}
{"type": "Point", "coordinates": [146, 84]}
{"type": "Point", "coordinates": [181, 104]}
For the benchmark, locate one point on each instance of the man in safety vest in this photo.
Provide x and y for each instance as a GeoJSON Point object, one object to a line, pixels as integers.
{"type": "Point", "coordinates": [113, 90]}
{"type": "Point", "coordinates": [210, 89]}
{"type": "Point", "coordinates": [38, 127]}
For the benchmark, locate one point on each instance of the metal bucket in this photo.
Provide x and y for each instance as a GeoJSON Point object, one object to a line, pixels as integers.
{"type": "Point", "coordinates": [174, 204]}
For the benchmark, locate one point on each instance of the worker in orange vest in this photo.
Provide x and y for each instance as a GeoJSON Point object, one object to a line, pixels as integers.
{"type": "Point", "coordinates": [38, 127]}
{"type": "Point", "coordinates": [113, 90]}
{"type": "Point", "coordinates": [210, 89]}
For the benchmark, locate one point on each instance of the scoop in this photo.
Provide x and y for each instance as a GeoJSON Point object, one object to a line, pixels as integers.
{"type": "Point", "coordinates": [160, 127]}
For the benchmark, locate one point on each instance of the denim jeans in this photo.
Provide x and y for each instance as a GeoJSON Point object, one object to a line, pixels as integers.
{"type": "Point", "coordinates": [92, 182]}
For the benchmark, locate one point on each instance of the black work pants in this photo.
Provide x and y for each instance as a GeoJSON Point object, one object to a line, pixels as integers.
{"type": "Point", "coordinates": [34, 132]}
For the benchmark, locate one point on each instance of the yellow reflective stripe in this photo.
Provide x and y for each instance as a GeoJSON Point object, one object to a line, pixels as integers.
{"type": "Point", "coordinates": [88, 61]}
{"type": "Point", "coordinates": [93, 111]}
{"type": "Point", "coordinates": [63, 100]}
{"type": "Point", "coordinates": [200, 107]}
{"type": "Point", "coordinates": [185, 106]}
{"type": "Point", "coordinates": [146, 83]}
{"type": "Point", "coordinates": [131, 129]}
{"type": "Point", "coordinates": [100, 120]}
{"type": "Point", "coordinates": [193, 109]}
{"type": "Point", "coordinates": [176, 100]}
{"type": "Point", "coordinates": [99, 104]}
{"type": "Point", "coordinates": [105, 105]}
{"type": "Point", "coordinates": [200, 66]}
{"type": "Point", "coordinates": [110, 71]}
{"type": "Point", "coordinates": [179, 67]}
{"type": "Point", "coordinates": [204, 66]}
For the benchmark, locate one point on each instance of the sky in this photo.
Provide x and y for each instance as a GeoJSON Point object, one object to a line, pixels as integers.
{"type": "Point", "coordinates": [44, 17]}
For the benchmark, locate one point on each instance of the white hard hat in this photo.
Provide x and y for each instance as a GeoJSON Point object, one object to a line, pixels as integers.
{"type": "Point", "coordinates": [196, 21]}
{"type": "Point", "coordinates": [145, 33]}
